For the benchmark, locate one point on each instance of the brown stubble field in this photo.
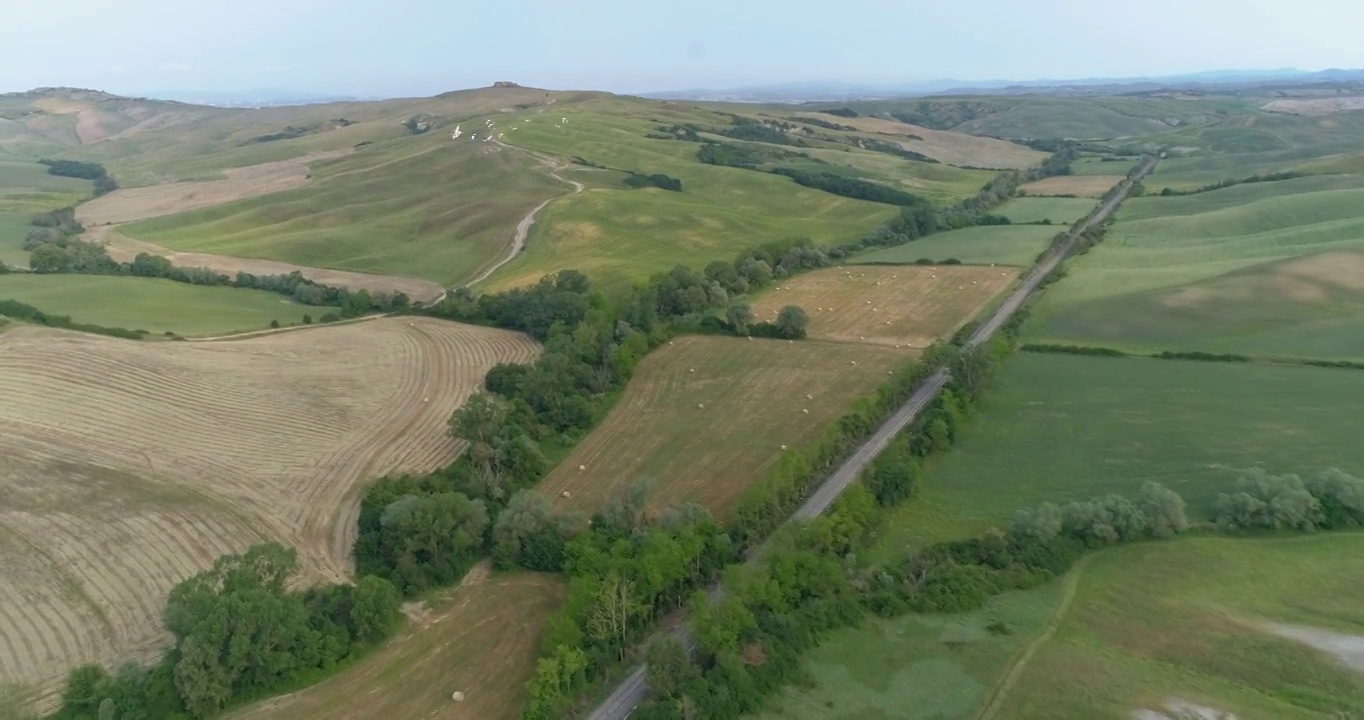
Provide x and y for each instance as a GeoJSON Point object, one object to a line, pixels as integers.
{"type": "Point", "coordinates": [951, 148]}
{"type": "Point", "coordinates": [908, 306]}
{"type": "Point", "coordinates": [1085, 186]}
{"type": "Point", "coordinates": [127, 466]}
{"type": "Point", "coordinates": [705, 417]}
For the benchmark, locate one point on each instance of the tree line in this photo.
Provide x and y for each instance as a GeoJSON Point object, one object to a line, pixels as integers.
{"type": "Point", "coordinates": [104, 183]}
{"type": "Point", "coordinates": [658, 180]}
{"type": "Point", "coordinates": [1230, 182]}
{"type": "Point", "coordinates": [239, 634]}
{"type": "Point", "coordinates": [16, 310]}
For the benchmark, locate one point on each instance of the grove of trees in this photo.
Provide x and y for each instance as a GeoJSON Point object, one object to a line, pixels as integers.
{"type": "Point", "coordinates": [240, 633]}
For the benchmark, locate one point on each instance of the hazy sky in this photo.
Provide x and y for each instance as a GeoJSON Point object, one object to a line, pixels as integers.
{"type": "Point", "coordinates": [409, 47]}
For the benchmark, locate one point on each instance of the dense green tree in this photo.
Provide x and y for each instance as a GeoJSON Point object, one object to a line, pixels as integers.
{"type": "Point", "coordinates": [739, 316]}
{"type": "Point", "coordinates": [791, 322]}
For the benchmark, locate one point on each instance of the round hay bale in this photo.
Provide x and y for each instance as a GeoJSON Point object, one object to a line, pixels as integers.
{"type": "Point", "coordinates": [852, 362]}
{"type": "Point", "coordinates": [566, 494]}
{"type": "Point", "coordinates": [582, 467]}
{"type": "Point", "coordinates": [426, 399]}
{"type": "Point", "coordinates": [701, 406]}
{"type": "Point", "coordinates": [691, 370]}
{"type": "Point", "coordinates": [808, 396]}
{"type": "Point", "coordinates": [457, 696]}
{"type": "Point", "coordinates": [804, 411]}
{"type": "Point", "coordinates": [783, 447]}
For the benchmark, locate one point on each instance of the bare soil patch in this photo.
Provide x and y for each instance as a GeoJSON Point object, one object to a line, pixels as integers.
{"type": "Point", "coordinates": [1315, 106]}
{"type": "Point", "coordinates": [1348, 650]}
{"type": "Point", "coordinates": [946, 147]}
{"type": "Point", "coordinates": [907, 306]}
{"type": "Point", "coordinates": [1077, 185]}
{"type": "Point", "coordinates": [127, 466]}
{"type": "Point", "coordinates": [1178, 709]}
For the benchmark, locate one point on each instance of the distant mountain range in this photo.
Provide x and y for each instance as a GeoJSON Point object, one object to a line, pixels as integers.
{"type": "Point", "coordinates": [808, 91]}
{"type": "Point", "coordinates": [263, 97]}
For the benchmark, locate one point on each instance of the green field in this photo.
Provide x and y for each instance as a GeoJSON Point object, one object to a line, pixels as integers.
{"type": "Point", "coordinates": [25, 187]}
{"type": "Point", "coordinates": [1268, 269]}
{"type": "Point", "coordinates": [13, 227]}
{"type": "Point", "coordinates": [916, 667]}
{"type": "Point", "coordinates": [1059, 210]}
{"type": "Point", "coordinates": [439, 211]}
{"type": "Point", "coordinates": [997, 244]}
{"type": "Point", "coordinates": [154, 305]}
{"type": "Point", "coordinates": [617, 235]}
{"type": "Point", "coordinates": [1062, 427]}
{"type": "Point", "coordinates": [1187, 619]}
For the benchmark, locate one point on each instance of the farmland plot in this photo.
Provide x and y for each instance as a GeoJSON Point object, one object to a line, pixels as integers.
{"type": "Point", "coordinates": [126, 467]}
{"type": "Point", "coordinates": [908, 306]}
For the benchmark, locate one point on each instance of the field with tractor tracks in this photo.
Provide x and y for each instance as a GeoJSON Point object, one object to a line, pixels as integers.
{"type": "Point", "coordinates": [127, 466]}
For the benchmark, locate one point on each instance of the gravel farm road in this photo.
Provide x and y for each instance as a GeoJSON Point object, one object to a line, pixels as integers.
{"type": "Point", "coordinates": [635, 687]}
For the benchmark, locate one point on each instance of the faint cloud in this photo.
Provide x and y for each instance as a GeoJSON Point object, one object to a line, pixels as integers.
{"type": "Point", "coordinates": [177, 67]}
{"type": "Point", "coordinates": [117, 68]}
{"type": "Point", "coordinates": [696, 49]}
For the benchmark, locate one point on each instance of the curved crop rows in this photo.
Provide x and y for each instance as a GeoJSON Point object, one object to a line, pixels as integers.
{"type": "Point", "coordinates": [126, 467]}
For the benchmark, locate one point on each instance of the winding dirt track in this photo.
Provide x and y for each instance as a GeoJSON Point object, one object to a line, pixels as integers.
{"type": "Point", "coordinates": [126, 467]}
{"type": "Point", "coordinates": [996, 700]}
{"type": "Point", "coordinates": [523, 227]}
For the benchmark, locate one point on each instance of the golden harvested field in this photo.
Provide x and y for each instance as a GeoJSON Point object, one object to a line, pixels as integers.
{"type": "Point", "coordinates": [902, 305]}
{"type": "Point", "coordinates": [951, 148]}
{"type": "Point", "coordinates": [1078, 185]}
{"type": "Point", "coordinates": [705, 417]}
{"type": "Point", "coordinates": [127, 466]}
{"type": "Point", "coordinates": [481, 640]}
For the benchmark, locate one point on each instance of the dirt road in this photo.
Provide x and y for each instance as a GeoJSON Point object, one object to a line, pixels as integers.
{"type": "Point", "coordinates": [523, 227]}
{"type": "Point", "coordinates": [633, 689]}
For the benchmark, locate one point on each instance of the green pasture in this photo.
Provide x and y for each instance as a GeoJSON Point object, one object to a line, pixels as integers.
{"type": "Point", "coordinates": [25, 187]}
{"type": "Point", "coordinates": [1059, 210]}
{"type": "Point", "coordinates": [1265, 269]}
{"type": "Point", "coordinates": [13, 227]}
{"type": "Point", "coordinates": [1063, 427]}
{"type": "Point", "coordinates": [998, 244]}
{"type": "Point", "coordinates": [618, 235]}
{"type": "Point", "coordinates": [442, 214]}
{"type": "Point", "coordinates": [916, 667]}
{"type": "Point", "coordinates": [1186, 620]}
{"type": "Point", "coordinates": [154, 305]}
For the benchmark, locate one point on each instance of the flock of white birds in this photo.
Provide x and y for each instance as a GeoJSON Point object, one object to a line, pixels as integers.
{"type": "Point", "coordinates": [490, 126]}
